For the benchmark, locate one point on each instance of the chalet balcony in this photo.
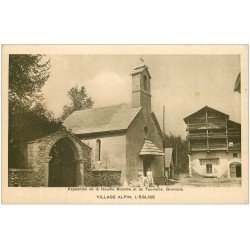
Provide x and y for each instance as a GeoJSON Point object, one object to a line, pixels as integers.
{"type": "Point", "coordinates": [196, 148]}
{"type": "Point", "coordinates": [206, 136]}
{"type": "Point", "coordinates": [206, 125]}
{"type": "Point", "coordinates": [211, 130]}
{"type": "Point", "coordinates": [218, 146]}
{"type": "Point", "coordinates": [215, 147]}
{"type": "Point", "coordinates": [212, 135]}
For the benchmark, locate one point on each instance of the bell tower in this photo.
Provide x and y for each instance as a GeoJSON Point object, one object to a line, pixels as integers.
{"type": "Point", "coordinates": [141, 89]}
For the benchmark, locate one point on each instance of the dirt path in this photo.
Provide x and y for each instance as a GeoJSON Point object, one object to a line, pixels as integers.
{"type": "Point", "coordinates": [185, 180]}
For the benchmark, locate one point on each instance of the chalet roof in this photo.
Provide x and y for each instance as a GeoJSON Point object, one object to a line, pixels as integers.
{"type": "Point", "coordinates": [105, 119]}
{"type": "Point", "coordinates": [233, 123]}
{"type": "Point", "coordinates": [168, 156]}
{"type": "Point", "coordinates": [204, 109]}
{"type": "Point", "coordinates": [149, 148]}
{"type": "Point", "coordinates": [237, 85]}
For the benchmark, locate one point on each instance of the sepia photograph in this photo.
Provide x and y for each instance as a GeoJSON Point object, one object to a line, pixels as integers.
{"type": "Point", "coordinates": [124, 124]}
{"type": "Point", "coordinates": [148, 122]}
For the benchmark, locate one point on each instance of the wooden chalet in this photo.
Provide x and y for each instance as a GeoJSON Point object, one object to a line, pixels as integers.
{"type": "Point", "coordinates": [212, 136]}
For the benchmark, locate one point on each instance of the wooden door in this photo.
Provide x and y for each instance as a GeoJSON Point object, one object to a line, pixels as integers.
{"type": "Point", "coordinates": [238, 170]}
{"type": "Point", "coordinates": [232, 171]}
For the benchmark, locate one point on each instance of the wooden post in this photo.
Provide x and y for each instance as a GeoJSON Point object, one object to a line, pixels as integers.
{"type": "Point", "coordinates": [164, 141]}
{"type": "Point", "coordinates": [164, 119]}
{"type": "Point", "coordinates": [227, 138]}
{"type": "Point", "coordinates": [188, 132]}
{"type": "Point", "coordinates": [208, 149]}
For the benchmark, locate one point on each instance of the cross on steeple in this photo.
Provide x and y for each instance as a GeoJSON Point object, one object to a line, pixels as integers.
{"type": "Point", "coordinates": [142, 60]}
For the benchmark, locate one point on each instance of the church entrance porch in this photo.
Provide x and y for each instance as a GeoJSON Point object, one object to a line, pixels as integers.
{"type": "Point", "coordinates": [146, 164]}
{"type": "Point", "coordinates": [63, 165]}
{"type": "Point", "coordinates": [152, 165]}
{"type": "Point", "coordinates": [58, 160]}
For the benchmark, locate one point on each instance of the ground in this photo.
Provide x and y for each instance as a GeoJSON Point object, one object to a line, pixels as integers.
{"type": "Point", "coordinates": [185, 180]}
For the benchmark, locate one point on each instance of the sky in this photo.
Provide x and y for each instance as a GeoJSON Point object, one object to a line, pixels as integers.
{"type": "Point", "coordinates": [183, 83]}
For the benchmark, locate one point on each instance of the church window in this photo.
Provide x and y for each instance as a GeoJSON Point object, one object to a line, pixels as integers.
{"type": "Point", "coordinates": [145, 83]}
{"type": "Point", "coordinates": [98, 150]}
{"type": "Point", "coordinates": [209, 168]}
{"type": "Point", "coordinates": [145, 132]}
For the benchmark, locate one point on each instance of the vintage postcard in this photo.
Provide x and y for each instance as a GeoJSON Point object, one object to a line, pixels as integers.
{"type": "Point", "coordinates": [125, 124]}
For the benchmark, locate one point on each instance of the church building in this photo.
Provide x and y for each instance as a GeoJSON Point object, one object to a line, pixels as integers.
{"type": "Point", "coordinates": [126, 137]}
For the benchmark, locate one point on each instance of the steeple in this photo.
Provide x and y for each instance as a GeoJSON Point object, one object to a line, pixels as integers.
{"type": "Point", "coordinates": [141, 89]}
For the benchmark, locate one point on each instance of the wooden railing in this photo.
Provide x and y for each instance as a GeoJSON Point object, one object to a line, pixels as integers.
{"type": "Point", "coordinates": [205, 135]}
{"type": "Point", "coordinates": [206, 125]}
{"type": "Point", "coordinates": [214, 146]}
{"type": "Point", "coordinates": [218, 146]}
{"type": "Point", "coordinates": [212, 135]}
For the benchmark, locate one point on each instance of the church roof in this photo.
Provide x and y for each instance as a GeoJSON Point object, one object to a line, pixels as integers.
{"type": "Point", "coordinates": [157, 125]}
{"type": "Point", "coordinates": [105, 119]}
{"type": "Point", "coordinates": [149, 148]}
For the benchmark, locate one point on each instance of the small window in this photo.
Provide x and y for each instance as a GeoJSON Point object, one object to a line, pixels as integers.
{"type": "Point", "coordinates": [145, 83]}
{"type": "Point", "coordinates": [145, 132]}
{"type": "Point", "coordinates": [209, 168]}
{"type": "Point", "coordinates": [98, 150]}
{"type": "Point", "coordinates": [235, 155]}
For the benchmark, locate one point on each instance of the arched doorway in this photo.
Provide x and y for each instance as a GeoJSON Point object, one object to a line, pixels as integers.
{"type": "Point", "coordinates": [62, 166]}
{"type": "Point", "coordinates": [69, 156]}
{"type": "Point", "coordinates": [235, 170]}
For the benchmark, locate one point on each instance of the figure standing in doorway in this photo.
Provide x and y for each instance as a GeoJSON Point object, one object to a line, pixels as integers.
{"type": "Point", "coordinates": [150, 178]}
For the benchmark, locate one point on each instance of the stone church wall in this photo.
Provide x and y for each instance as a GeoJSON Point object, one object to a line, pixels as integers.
{"type": "Point", "coordinates": [25, 178]}
{"type": "Point", "coordinates": [36, 173]}
{"type": "Point", "coordinates": [103, 178]}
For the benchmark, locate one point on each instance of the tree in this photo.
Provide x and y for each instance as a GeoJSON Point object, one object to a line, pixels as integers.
{"type": "Point", "coordinates": [27, 76]}
{"type": "Point", "coordinates": [28, 117]}
{"type": "Point", "coordinates": [79, 101]}
{"type": "Point", "coordinates": [177, 143]}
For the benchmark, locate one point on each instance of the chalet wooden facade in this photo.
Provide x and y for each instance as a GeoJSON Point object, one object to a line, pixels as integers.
{"type": "Point", "coordinates": [214, 144]}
